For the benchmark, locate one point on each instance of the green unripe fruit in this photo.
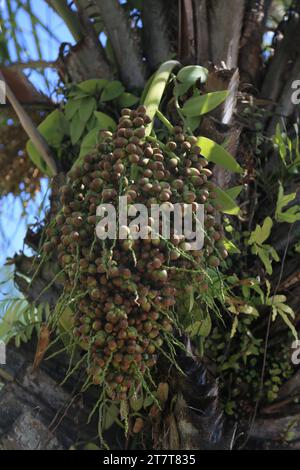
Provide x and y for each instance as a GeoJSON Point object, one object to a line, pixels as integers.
{"type": "Point", "coordinates": [213, 261]}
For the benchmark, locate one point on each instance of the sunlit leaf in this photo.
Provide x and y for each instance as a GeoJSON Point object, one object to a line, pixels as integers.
{"type": "Point", "coordinates": [156, 90]}
{"type": "Point", "coordinates": [199, 105]}
{"type": "Point", "coordinates": [265, 258]}
{"type": "Point", "coordinates": [191, 73]}
{"type": "Point", "coordinates": [226, 203]}
{"type": "Point", "coordinates": [291, 214]}
{"type": "Point", "coordinates": [217, 154]}
{"type": "Point", "coordinates": [230, 246]}
{"type": "Point", "coordinates": [261, 233]}
{"type": "Point", "coordinates": [234, 191]}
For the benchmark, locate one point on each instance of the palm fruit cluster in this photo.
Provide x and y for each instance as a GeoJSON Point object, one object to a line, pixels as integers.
{"type": "Point", "coordinates": [125, 290]}
{"type": "Point", "coordinates": [17, 172]}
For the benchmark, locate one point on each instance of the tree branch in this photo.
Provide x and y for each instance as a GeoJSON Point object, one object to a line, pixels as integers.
{"type": "Point", "coordinates": [155, 32]}
{"type": "Point", "coordinates": [85, 9]}
{"type": "Point", "coordinates": [128, 57]}
{"type": "Point", "coordinates": [285, 105]}
{"type": "Point", "coordinates": [250, 59]}
{"type": "Point", "coordinates": [288, 45]}
{"type": "Point", "coordinates": [32, 64]}
{"type": "Point", "coordinates": [225, 21]}
{"type": "Point", "coordinates": [186, 35]}
{"type": "Point", "coordinates": [201, 32]}
{"type": "Point", "coordinates": [30, 129]}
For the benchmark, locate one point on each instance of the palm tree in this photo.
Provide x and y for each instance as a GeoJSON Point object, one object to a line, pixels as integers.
{"type": "Point", "coordinates": [252, 49]}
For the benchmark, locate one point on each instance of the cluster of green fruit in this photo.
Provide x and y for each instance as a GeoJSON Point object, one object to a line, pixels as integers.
{"type": "Point", "coordinates": [126, 289]}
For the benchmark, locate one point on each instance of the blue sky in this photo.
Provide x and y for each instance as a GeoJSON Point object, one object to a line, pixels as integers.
{"type": "Point", "coordinates": [49, 46]}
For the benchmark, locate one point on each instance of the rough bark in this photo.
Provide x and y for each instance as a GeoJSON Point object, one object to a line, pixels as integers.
{"type": "Point", "coordinates": [202, 32]}
{"type": "Point", "coordinates": [220, 124]}
{"type": "Point", "coordinates": [125, 46]}
{"type": "Point", "coordinates": [250, 59]}
{"type": "Point", "coordinates": [186, 32]}
{"type": "Point", "coordinates": [286, 53]}
{"type": "Point", "coordinates": [225, 21]}
{"type": "Point", "coordinates": [35, 411]}
{"type": "Point", "coordinates": [155, 33]}
{"type": "Point", "coordinates": [197, 421]}
{"type": "Point", "coordinates": [83, 61]}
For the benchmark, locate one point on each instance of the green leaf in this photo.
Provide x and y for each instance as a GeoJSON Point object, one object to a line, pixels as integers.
{"type": "Point", "coordinates": [192, 73]}
{"type": "Point", "coordinates": [105, 122]}
{"type": "Point", "coordinates": [205, 326]}
{"type": "Point", "coordinates": [192, 123]}
{"type": "Point", "coordinates": [274, 253]}
{"type": "Point", "coordinates": [87, 106]}
{"type": "Point", "coordinates": [92, 86]}
{"type": "Point", "coordinates": [149, 400]}
{"type": "Point", "coordinates": [217, 154]}
{"type": "Point", "coordinates": [77, 127]}
{"type": "Point", "coordinates": [234, 326]}
{"type": "Point", "coordinates": [92, 123]}
{"type": "Point", "coordinates": [156, 90]}
{"type": "Point", "coordinates": [279, 141]}
{"type": "Point", "coordinates": [199, 105]}
{"type": "Point", "coordinates": [89, 142]}
{"type": "Point", "coordinates": [200, 328]}
{"type": "Point", "coordinates": [53, 129]}
{"type": "Point", "coordinates": [110, 415]}
{"type": "Point", "coordinates": [137, 402]}
{"type": "Point", "coordinates": [197, 322]}
{"type": "Point", "coordinates": [226, 203]}
{"type": "Point", "coordinates": [288, 322]}
{"type": "Point", "coordinates": [66, 319]}
{"type": "Point", "coordinates": [234, 191]}
{"type": "Point", "coordinates": [230, 246]}
{"type": "Point", "coordinates": [147, 88]}
{"type": "Point", "coordinates": [71, 107]}
{"type": "Point", "coordinates": [286, 309]}
{"type": "Point", "coordinates": [292, 214]}
{"type": "Point", "coordinates": [126, 100]}
{"type": "Point", "coordinates": [112, 90]}
{"type": "Point", "coordinates": [261, 233]}
{"type": "Point", "coordinates": [181, 88]}
{"type": "Point", "coordinates": [249, 310]}
{"type": "Point", "coordinates": [265, 258]}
